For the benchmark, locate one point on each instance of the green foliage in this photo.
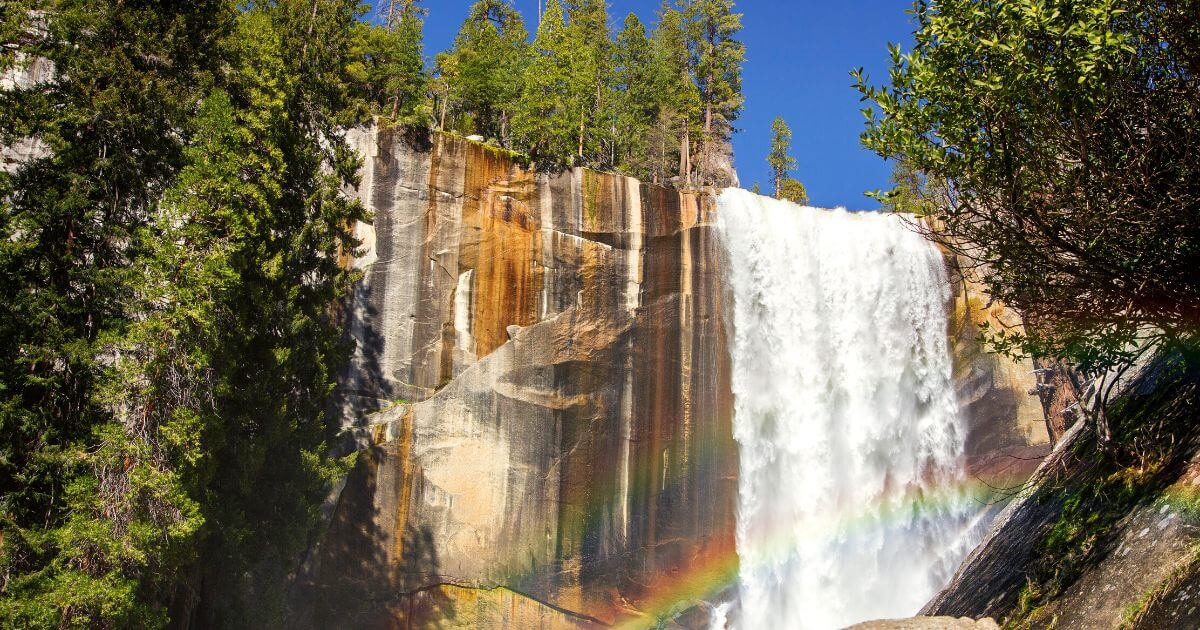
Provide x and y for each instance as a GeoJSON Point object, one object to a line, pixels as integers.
{"type": "Point", "coordinates": [173, 262]}
{"type": "Point", "coordinates": [678, 120]}
{"type": "Point", "coordinates": [544, 120]}
{"type": "Point", "coordinates": [792, 190]}
{"type": "Point", "coordinates": [636, 99]}
{"type": "Point", "coordinates": [717, 58]}
{"type": "Point", "coordinates": [1065, 134]}
{"type": "Point", "coordinates": [643, 105]}
{"type": "Point", "coordinates": [779, 159]}
{"type": "Point", "coordinates": [589, 96]}
{"type": "Point", "coordinates": [79, 551]}
{"type": "Point", "coordinates": [1098, 490]}
{"type": "Point", "coordinates": [481, 76]}
{"type": "Point", "coordinates": [782, 163]}
{"type": "Point", "coordinates": [567, 94]}
{"type": "Point", "coordinates": [386, 63]}
{"type": "Point", "coordinates": [914, 192]}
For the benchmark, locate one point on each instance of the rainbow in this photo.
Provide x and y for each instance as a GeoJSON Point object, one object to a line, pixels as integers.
{"type": "Point", "coordinates": [713, 575]}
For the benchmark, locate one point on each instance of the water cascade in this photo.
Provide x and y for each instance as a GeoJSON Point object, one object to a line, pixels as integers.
{"type": "Point", "coordinates": [851, 448]}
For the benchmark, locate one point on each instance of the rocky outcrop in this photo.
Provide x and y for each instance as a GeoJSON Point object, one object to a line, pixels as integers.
{"type": "Point", "coordinates": [540, 384]}
{"type": "Point", "coordinates": [928, 623]}
{"type": "Point", "coordinates": [540, 397]}
{"type": "Point", "coordinates": [1096, 540]}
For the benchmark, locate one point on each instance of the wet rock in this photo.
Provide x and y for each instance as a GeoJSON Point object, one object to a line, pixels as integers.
{"type": "Point", "coordinates": [929, 623]}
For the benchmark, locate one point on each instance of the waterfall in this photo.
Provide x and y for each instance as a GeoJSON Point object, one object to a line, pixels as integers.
{"type": "Point", "coordinates": [850, 501]}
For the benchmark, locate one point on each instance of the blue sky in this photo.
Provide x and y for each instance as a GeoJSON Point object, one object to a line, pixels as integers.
{"type": "Point", "coordinates": [798, 57]}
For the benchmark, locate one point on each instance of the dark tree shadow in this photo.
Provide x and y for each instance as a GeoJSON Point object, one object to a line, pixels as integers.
{"type": "Point", "coordinates": [361, 576]}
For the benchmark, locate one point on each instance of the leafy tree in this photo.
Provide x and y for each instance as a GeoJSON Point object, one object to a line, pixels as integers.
{"type": "Point", "coordinates": [1066, 133]}
{"type": "Point", "coordinates": [717, 65]}
{"type": "Point", "coordinates": [483, 72]}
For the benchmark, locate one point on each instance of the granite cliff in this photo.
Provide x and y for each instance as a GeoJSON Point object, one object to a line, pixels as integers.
{"type": "Point", "coordinates": [1101, 539]}
{"type": "Point", "coordinates": [540, 398]}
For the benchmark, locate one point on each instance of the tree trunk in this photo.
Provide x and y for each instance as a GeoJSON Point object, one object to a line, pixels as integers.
{"type": "Point", "coordinates": [705, 152]}
{"type": "Point", "coordinates": [685, 158]}
{"type": "Point", "coordinates": [582, 113]}
{"type": "Point", "coordinates": [312, 24]}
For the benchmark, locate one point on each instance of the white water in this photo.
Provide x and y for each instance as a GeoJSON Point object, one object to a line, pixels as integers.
{"type": "Point", "coordinates": [850, 504]}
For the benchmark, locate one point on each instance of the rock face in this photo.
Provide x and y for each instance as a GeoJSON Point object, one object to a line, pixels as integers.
{"type": "Point", "coordinates": [540, 383]}
{"type": "Point", "coordinates": [24, 73]}
{"type": "Point", "coordinates": [1007, 430]}
{"type": "Point", "coordinates": [929, 623]}
{"type": "Point", "coordinates": [1140, 571]}
{"type": "Point", "coordinates": [540, 394]}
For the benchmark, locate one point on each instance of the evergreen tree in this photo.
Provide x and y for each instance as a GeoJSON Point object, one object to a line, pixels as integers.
{"type": "Point", "coordinates": [914, 192]}
{"type": "Point", "coordinates": [544, 120]}
{"type": "Point", "coordinates": [173, 260]}
{"type": "Point", "coordinates": [388, 64]}
{"type": "Point", "coordinates": [636, 100]}
{"type": "Point", "coordinates": [675, 125]}
{"type": "Point", "coordinates": [279, 342]}
{"type": "Point", "coordinates": [483, 72]}
{"type": "Point", "coordinates": [792, 190]}
{"type": "Point", "coordinates": [781, 163]}
{"type": "Point", "coordinates": [589, 93]}
{"type": "Point", "coordinates": [90, 538]}
{"type": "Point", "coordinates": [717, 60]}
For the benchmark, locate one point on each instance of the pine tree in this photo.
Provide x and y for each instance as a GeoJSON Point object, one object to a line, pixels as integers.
{"type": "Point", "coordinates": [388, 63]}
{"type": "Point", "coordinates": [483, 72]}
{"type": "Point", "coordinates": [90, 538]}
{"type": "Point", "coordinates": [782, 164]}
{"type": "Point", "coordinates": [636, 100]}
{"type": "Point", "coordinates": [544, 120]}
{"type": "Point", "coordinates": [779, 159]}
{"type": "Point", "coordinates": [915, 192]}
{"type": "Point", "coordinates": [589, 93]}
{"type": "Point", "coordinates": [279, 342]}
{"type": "Point", "coordinates": [172, 260]}
{"type": "Point", "coordinates": [675, 124]}
{"type": "Point", "coordinates": [717, 60]}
